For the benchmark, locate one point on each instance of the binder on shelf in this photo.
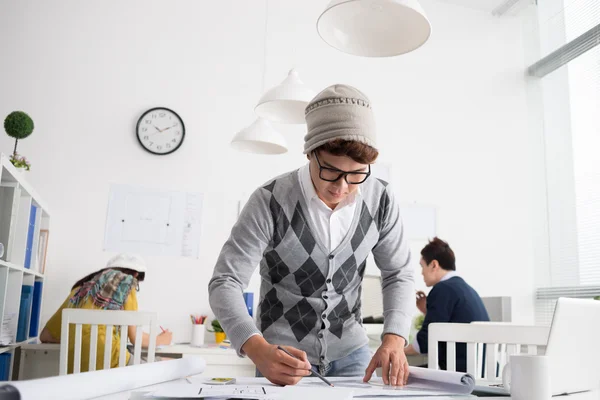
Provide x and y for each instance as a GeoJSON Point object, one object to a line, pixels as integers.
{"type": "Point", "coordinates": [30, 236]}
{"type": "Point", "coordinates": [8, 328]}
{"type": "Point", "coordinates": [35, 263]}
{"type": "Point", "coordinates": [42, 250]}
{"type": "Point", "coordinates": [35, 309]}
{"type": "Point", "coordinates": [24, 312]}
{"type": "Point", "coordinates": [10, 194]}
{"type": "Point", "coordinates": [4, 366]}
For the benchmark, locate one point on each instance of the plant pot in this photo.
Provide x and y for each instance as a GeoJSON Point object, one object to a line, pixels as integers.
{"type": "Point", "coordinates": [22, 170]}
{"type": "Point", "coordinates": [219, 337]}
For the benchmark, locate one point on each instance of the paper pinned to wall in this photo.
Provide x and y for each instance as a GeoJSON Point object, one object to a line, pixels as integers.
{"type": "Point", "coordinates": [153, 222]}
{"type": "Point", "coordinates": [191, 225]}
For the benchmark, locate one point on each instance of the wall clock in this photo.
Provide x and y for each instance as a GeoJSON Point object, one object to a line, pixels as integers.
{"type": "Point", "coordinates": [160, 131]}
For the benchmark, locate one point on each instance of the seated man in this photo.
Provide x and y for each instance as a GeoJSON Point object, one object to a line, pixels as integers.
{"type": "Point", "coordinates": [450, 300]}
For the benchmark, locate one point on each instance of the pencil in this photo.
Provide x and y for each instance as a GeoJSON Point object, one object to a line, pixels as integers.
{"type": "Point", "coordinates": [314, 372]}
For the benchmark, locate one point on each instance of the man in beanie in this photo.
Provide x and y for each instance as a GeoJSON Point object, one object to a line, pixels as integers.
{"type": "Point", "coordinates": [311, 230]}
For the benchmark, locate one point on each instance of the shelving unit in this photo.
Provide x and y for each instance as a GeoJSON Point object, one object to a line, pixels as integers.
{"type": "Point", "coordinates": [24, 218]}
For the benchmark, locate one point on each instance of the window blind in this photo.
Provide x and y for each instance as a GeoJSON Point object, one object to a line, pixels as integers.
{"type": "Point", "coordinates": [569, 71]}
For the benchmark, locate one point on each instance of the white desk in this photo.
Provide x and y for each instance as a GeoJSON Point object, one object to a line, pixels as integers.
{"type": "Point", "coordinates": [219, 361]}
{"type": "Point", "coordinates": [126, 395]}
{"type": "Point", "coordinates": [42, 360]}
{"type": "Point", "coordinates": [38, 361]}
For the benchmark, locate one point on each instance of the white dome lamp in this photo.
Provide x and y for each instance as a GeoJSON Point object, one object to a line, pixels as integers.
{"type": "Point", "coordinates": [285, 103]}
{"type": "Point", "coordinates": [374, 28]}
{"type": "Point", "coordinates": [259, 138]}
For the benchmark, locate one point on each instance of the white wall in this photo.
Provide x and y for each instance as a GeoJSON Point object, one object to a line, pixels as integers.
{"type": "Point", "coordinates": [451, 121]}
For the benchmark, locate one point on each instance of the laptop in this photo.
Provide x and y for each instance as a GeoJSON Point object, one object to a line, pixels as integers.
{"type": "Point", "coordinates": [573, 349]}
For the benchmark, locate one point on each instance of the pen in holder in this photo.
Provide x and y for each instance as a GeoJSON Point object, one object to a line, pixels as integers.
{"type": "Point", "coordinates": [198, 330]}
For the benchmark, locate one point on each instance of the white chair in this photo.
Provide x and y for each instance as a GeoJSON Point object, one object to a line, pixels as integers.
{"type": "Point", "coordinates": [109, 318]}
{"type": "Point", "coordinates": [501, 340]}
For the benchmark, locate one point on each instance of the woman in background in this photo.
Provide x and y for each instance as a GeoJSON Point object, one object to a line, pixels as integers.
{"type": "Point", "coordinates": [112, 288]}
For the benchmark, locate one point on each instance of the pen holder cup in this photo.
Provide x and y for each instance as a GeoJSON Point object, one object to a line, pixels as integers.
{"type": "Point", "coordinates": [197, 335]}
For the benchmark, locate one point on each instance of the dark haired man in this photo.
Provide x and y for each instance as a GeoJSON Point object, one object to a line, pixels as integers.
{"type": "Point", "coordinates": [450, 300]}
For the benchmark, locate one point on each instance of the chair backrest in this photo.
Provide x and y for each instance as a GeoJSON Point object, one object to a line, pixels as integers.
{"type": "Point", "coordinates": [500, 341]}
{"type": "Point", "coordinates": [108, 318]}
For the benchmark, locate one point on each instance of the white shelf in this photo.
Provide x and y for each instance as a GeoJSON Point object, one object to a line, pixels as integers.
{"type": "Point", "coordinates": [28, 341]}
{"type": "Point", "coordinates": [23, 214]}
{"type": "Point", "coordinates": [34, 273]}
{"type": "Point", "coordinates": [16, 176]}
{"type": "Point", "coordinates": [16, 267]}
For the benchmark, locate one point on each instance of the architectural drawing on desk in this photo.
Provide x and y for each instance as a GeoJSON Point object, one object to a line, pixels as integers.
{"type": "Point", "coordinates": [153, 222]}
{"type": "Point", "coordinates": [242, 390]}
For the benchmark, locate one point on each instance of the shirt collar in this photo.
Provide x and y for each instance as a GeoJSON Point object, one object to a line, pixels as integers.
{"type": "Point", "coordinates": [309, 189]}
{"type": "Point", "coordinates": [449, 275]}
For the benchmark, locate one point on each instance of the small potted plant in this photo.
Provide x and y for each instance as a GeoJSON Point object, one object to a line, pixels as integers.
{"type": "Point", "coordinates": [218, 330]}
{"type": "Point", "coordinates": [20, 162]}
{"type": "Point", "coordinates": [416, 326]}
{"type": "Point", "coordinates": [18, 125]}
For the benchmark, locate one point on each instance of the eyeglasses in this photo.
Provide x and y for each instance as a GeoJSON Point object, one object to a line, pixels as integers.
{"type": "Point", "coordinates": [334, 174]}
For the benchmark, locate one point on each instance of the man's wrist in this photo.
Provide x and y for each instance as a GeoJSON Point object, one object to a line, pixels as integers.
{"type": "Point", "coordinates": [393, 339]}
{"type": "Point", "coordinates": [253, 344]}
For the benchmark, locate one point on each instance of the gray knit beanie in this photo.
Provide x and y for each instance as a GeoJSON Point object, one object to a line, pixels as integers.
{"type": "Point", "coordinates": [339, 112]}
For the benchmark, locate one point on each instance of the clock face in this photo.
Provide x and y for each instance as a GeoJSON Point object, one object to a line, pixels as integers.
{"type": "Point", "coordinates": [160, 131]}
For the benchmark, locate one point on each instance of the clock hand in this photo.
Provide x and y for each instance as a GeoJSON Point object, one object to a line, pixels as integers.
{"type": "Point", "coordinates": [169, 127]}
{"type": "Point", "coordinates": [157, 128]}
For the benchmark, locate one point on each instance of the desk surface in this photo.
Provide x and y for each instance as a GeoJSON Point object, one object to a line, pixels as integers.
{"type": "Point", "coordinates": [186, 348]}
{"type": "Point", "coordinates": [127, 395]}
{"type": "Point", "coordinates": [183, 348]}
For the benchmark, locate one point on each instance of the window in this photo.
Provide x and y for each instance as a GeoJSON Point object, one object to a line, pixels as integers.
{"type": "Point", "coordinates": [569, 80]}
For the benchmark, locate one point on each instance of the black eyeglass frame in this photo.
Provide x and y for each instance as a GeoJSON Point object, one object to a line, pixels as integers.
{"type": "Point", "coordinates": [341, 173]}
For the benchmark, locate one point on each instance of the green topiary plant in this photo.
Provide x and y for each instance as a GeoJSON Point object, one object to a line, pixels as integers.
{"type": "Point", "coordinates": [18, 125]}
{"type": "Point", "coordinates": [597, 298]}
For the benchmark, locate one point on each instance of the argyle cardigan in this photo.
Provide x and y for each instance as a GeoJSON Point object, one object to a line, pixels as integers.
{"type": "Point", "coordinates": [310, 297]}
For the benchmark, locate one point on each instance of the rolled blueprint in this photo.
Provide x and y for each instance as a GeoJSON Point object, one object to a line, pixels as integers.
{"type": "Point", "coordinates": [92, 384]}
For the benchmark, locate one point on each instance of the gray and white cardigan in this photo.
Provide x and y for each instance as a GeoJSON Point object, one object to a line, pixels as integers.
{"type": "Point", "coordinates": [310, 298]}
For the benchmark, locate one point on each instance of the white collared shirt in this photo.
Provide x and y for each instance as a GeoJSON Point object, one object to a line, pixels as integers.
{"type": "Point", "coordinates": [449, 274]}
{"type": "Point", "coordinates": [332, 225]}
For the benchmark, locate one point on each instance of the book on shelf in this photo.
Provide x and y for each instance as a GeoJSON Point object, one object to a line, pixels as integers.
{"type": "Point", "coordinates": [35, 309]}
{"type": "Point", "coordinates": [8, 328]}
{"type": "Point", "coordinates": [10, 194]}
{"type": "Point", "coordinates": [30, 236]}
{"type": "Point", "coordinates": [4, 366]}
{"type": "Point", "coordinates": [24, 313]}
{"type": "Point", "coordinates": [42, 250]}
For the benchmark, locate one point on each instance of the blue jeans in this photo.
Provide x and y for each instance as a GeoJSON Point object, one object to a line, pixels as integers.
{"type": "Point", "coordinates": [354, 364]}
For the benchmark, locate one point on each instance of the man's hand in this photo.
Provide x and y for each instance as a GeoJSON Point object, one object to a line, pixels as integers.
{"type": "Point", "coordinates": [274, 364]}
{"type": "Point", "coordinates": [392, 360]}
{"type": "Point", "coordinates": [422, 302]}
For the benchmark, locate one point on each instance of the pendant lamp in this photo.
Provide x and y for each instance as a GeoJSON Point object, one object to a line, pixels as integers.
{"type": "Point", "coordinates": [259, 138]}
{"type": "Point", "coordinates": [285, 103]}
{"type": "Point", "coordinates": [374, 28]}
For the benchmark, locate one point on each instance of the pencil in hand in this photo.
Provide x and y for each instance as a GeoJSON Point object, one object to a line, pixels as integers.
{"type": "Point", "coordinates": [315, 373]}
